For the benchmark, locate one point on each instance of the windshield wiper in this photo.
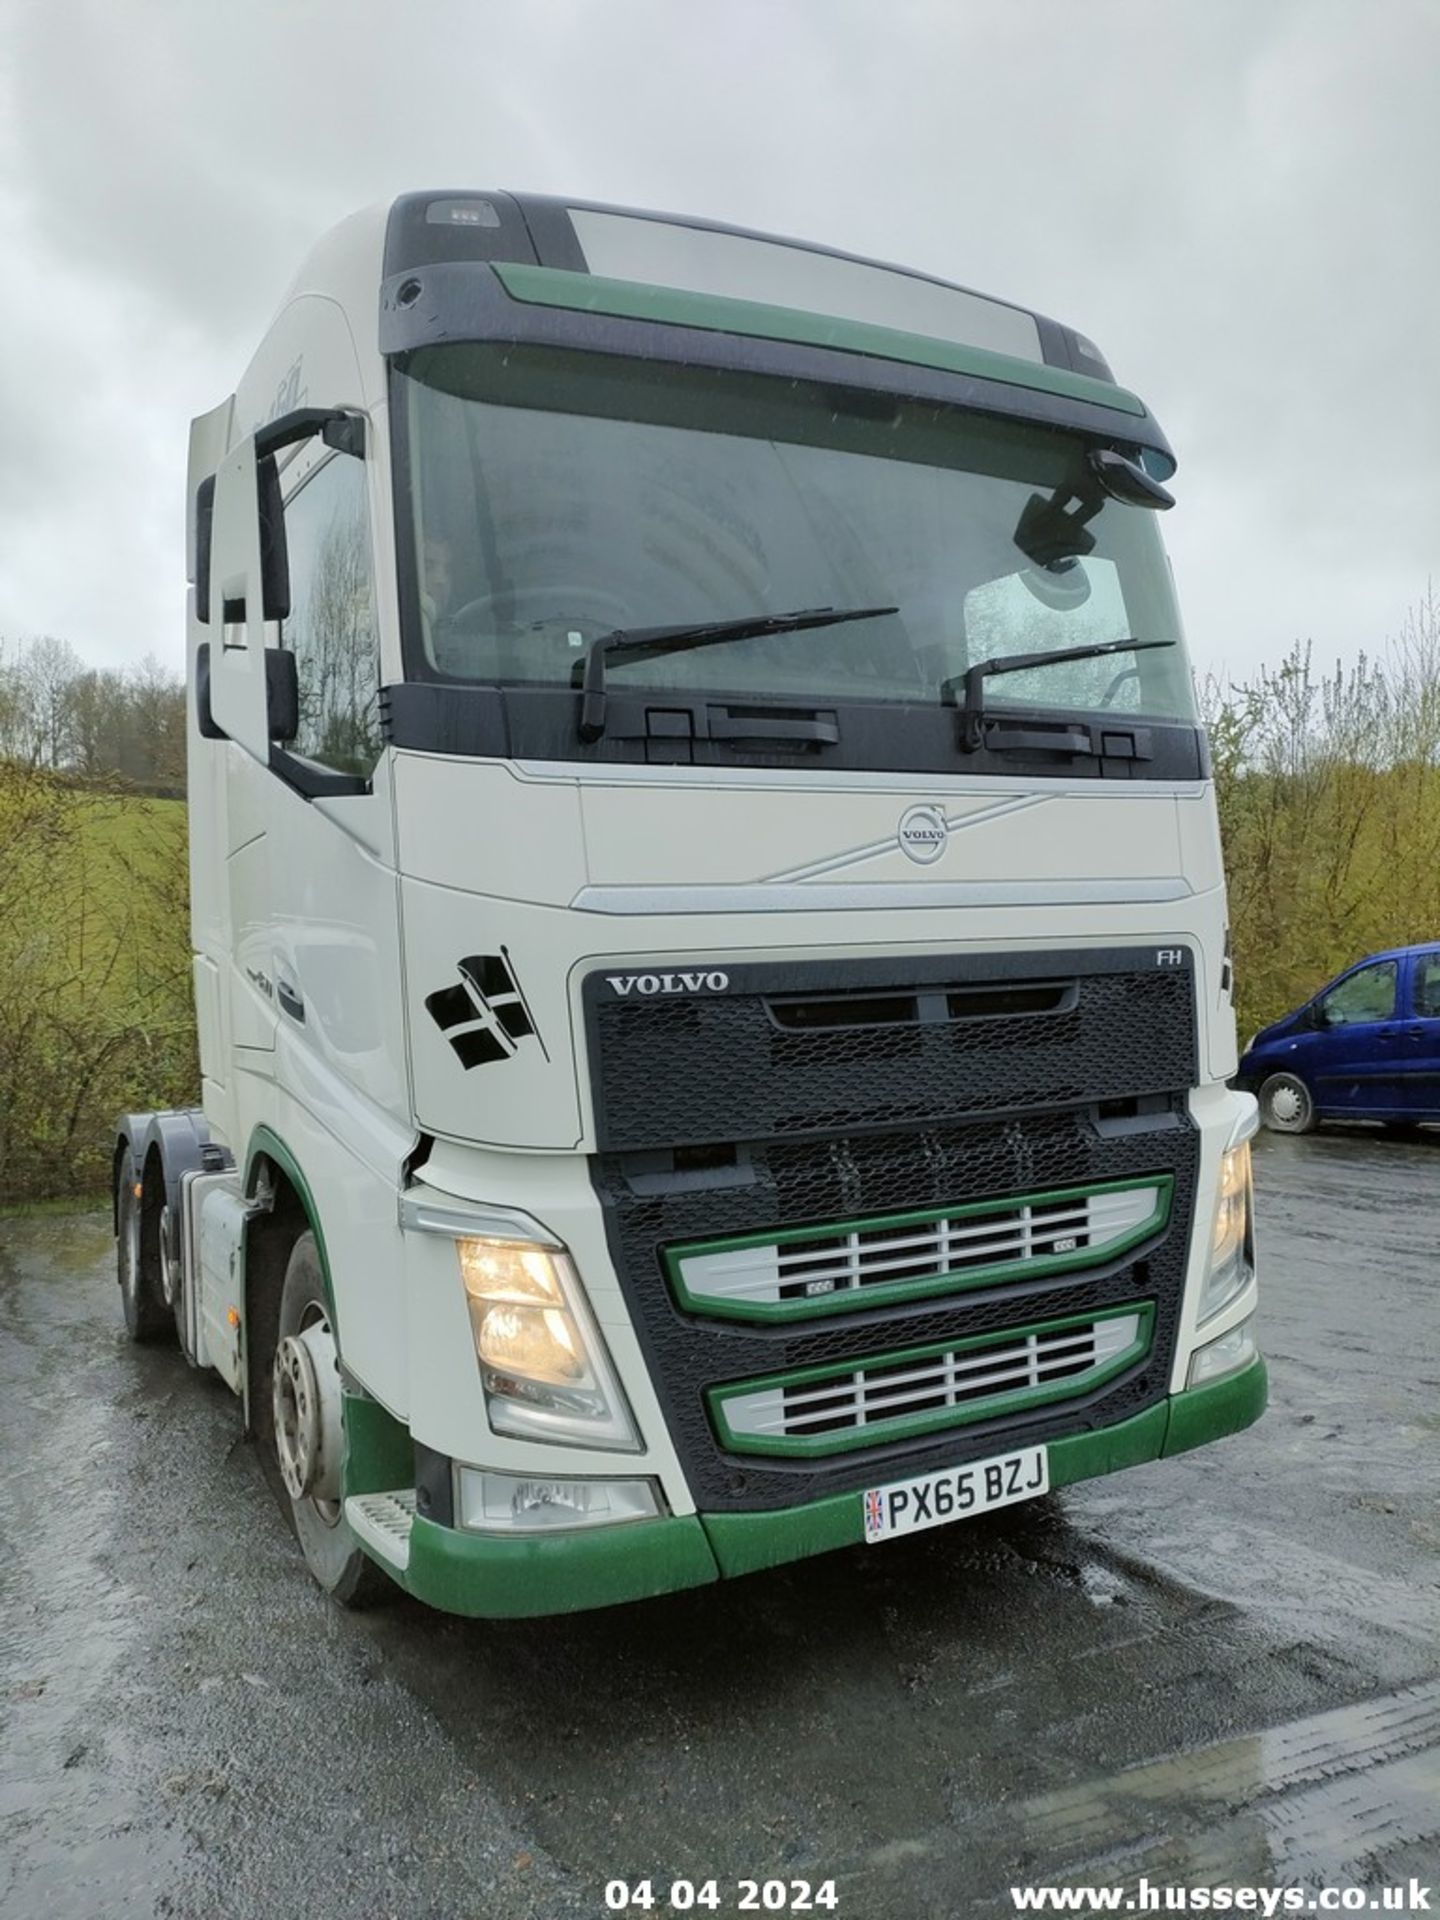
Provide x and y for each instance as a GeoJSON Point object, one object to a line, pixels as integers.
{"type": "Point", "coordinates": [972, 719]}
{"type": "Point", "coordinates": [640, 643]}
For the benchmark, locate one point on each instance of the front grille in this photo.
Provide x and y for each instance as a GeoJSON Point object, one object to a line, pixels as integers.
{"type": "Point", "coordinates": [796, 1273]}
{"type": "Point", "coordinates": [836, 1047]}
{"type": "Point", "coordinates": [829, 1409]}
{"type": "Point", "coordinates": [904, 1102]}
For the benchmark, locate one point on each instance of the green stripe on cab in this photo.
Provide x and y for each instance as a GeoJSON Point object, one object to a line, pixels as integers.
{"type": "Point", "coordinates": [718, 313]}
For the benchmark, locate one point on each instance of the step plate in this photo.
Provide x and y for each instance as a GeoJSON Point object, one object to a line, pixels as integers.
{"type": "Point", "coordinates": [383, 1522]}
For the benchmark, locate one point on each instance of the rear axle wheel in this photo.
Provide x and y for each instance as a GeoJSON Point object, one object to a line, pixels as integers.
{"type": "Point", "coordinates": [137, 1267]}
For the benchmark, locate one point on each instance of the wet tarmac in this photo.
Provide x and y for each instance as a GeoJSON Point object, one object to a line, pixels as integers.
{"type": "Point", "coordinates": [1220, 1668]}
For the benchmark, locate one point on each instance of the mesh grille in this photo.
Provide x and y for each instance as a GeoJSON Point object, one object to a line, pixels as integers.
{"type": "Point", "coordinates": [772, 1055]}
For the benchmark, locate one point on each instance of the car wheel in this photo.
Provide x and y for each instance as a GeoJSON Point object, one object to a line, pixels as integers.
{"type": "Point", "coordinates": [307, 1435]}
{"type": "Point", "coordinates": [1286, 1105]}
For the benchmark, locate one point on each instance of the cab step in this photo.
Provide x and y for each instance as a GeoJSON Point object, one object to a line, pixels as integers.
{"type": "Point", "coordinates": [382, 1521]}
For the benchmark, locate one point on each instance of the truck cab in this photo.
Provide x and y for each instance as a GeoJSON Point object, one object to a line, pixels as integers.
{"type": "Point", "coordinates": [709, 931]}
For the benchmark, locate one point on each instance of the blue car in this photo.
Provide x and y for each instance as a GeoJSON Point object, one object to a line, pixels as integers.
{"type": "Point", "coordinates": [1367, 1047]}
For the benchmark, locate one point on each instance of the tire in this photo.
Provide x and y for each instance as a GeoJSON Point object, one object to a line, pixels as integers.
{"type": "Point", "coordinates": [147, 1317]}
{"type": "Point", "coordinates": [331, 1550]}
{"type": "Point", "coordinates": [1286, 1104]}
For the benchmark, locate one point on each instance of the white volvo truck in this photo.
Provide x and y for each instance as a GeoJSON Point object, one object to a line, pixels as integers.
{"type": "Point", "coordinates": [709, 934]}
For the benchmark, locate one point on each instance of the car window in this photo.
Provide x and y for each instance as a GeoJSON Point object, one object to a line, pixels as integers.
{"type": "Point", "coordinates": [331, 628]}
{"type": "Point", "coordinates": [1366, 994]}
{"type": "Point", "coordinates": [1427, 987]}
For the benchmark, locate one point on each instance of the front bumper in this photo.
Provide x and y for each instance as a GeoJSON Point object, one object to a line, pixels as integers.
{"type": "Point", "coordinates": [483, 1576]}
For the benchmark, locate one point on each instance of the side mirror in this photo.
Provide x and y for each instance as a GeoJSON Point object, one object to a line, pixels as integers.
{"type": "Point", "coordinates": [282, 694]}
{"type": "Point", "coordinates": [204, 718]}
{"type": "Point", "coordinates": [343, 431]}
{"type": "Point", "coordinates": [204, 532]}
{"type": "Point", "coordinates": [1125, 479]}
{"type": "Point", "coordinates": [274, 552]}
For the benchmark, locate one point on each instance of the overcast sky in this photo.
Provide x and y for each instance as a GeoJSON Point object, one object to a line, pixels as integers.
{"type": "Point", "coordinates": [1238, 199]}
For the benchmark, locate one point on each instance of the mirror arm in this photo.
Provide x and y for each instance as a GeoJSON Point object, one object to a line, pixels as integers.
{"type": "Point", "coordinates": [337, 428]}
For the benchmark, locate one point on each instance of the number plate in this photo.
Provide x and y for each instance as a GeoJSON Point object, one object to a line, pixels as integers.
{"type": "Point", "coordinates": [957, 1493]}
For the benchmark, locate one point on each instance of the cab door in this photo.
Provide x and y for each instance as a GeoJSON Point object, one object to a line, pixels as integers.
{"type": "Point", "coordinates": [292, 698]}
{"type": "Point", "coordinates": [334, 927]}
{"type": "Point", "coordinates": [1357, 1052]}
{"type": "Point", "coordinates": [1420, 1065]}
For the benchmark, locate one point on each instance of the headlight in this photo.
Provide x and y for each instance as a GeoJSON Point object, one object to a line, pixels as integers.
{"type": "Point", "coordinates": [1228, 1354]}
{"type": "Point", "coordinates": [542, 1361]}
{"type": "Point", "coordinates": [1232, 1256]}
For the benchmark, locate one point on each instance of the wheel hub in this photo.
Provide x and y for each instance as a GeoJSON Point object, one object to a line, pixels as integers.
{"type": "Point", "coordinates": [1285, 1103]}
{"type": "Point", "coordinates": [306, 1393]}
{"type": "Point", "coordinates": [169, 1259]}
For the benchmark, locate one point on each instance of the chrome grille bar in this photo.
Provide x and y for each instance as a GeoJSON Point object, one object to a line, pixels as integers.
{"type": "Point", "coordinates": [847, 1259]}
{"type": "Point", "coordinates": [882, 1391]}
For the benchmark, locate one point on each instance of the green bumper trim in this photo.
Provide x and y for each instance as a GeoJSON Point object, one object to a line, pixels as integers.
{"type": "Point", "coordinates": [719, 313]}
{"type": "Point", "coordinates": [378, 1450]}
{"type": "Point", "coordinates": [492, 1578]}
{"type": "Point", "coordinates": [746, 1542]}
{"type": "Point", "coordinates": [488, 1577]}
{"type": "Point", "coordinates": [1225, 1406]}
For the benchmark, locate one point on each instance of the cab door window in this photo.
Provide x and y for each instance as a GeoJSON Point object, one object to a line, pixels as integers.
{"type": "Point", "coordinates": [331, 627]}
{"type": "Point", "coordinates": [1427, 986]}
{"type": "Point", "coordinates": [1362, 997]}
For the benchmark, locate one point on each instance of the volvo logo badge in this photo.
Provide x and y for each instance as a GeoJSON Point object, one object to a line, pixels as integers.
{"type": "Point", "coordinates": [646, 984]}
{"type": "Point", "coordinates": [923, 834]}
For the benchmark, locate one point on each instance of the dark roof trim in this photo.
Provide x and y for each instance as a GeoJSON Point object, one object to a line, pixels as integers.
{"type": "Point", "coordinates": [625, 299]}
{"type": "Point", "coordinates": [466, 301]}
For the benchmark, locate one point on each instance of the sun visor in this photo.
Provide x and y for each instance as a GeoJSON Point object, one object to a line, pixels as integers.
{"type": "Point", "coordinates": [513, 303]}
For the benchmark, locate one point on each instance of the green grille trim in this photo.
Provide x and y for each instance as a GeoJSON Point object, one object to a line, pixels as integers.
{"type": "Point", "coordinates": [887, 1292]}
{"type": "Point", "coordinates": [907, 1426]}
{"type": "Point", "coordinates": [719, 313]}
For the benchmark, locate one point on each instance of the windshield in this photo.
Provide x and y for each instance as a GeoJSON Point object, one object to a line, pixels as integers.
{"type": "Point", "coordinates": [557, 497]}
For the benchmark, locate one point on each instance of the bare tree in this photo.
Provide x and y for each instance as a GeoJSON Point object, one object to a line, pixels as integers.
{"type": "Point", "coordinates": [50, 668]}
{"type": "Point", "coordinates": [1329, 793]}
{"type": "Point", "coordinates": [109, 726]}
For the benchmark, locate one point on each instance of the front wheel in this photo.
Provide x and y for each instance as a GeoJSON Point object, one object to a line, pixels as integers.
{"type": "Point", "coordinates": [1286, 1105]}
{"type": "Point", "coordinates": [308, 1434]}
